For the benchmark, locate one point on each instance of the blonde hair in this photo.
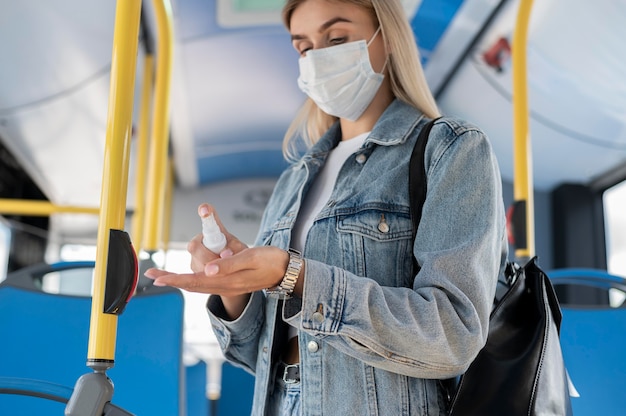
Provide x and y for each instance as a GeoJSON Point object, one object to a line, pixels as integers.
{"type": "Point", "coordinates": [408, 82]}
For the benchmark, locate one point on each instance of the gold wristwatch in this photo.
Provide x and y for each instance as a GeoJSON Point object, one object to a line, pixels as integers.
{"type": "Point", "coordinates": [285, 288]}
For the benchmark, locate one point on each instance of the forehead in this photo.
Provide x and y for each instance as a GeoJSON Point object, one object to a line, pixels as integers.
{"type": "Point", "coordinates": [312, 15]}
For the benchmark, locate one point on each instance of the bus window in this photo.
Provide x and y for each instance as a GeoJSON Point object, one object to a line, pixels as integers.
{"type": "Point", "coordinates": [5, 246]}
{"type": "Point", "coordinates": [615, 224]}
{"type": "Point", "coordinates": [74, 281]}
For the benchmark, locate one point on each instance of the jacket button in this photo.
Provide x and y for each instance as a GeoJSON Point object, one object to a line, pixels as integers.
{"type": "Point", "coordinates": [318, 317]}
{"type": "Point", "coordinates": [361, 158]}
{"type": "Point", "coordinates": [312, 346]}
{"type": "Point", "coordinates": [383, 227]}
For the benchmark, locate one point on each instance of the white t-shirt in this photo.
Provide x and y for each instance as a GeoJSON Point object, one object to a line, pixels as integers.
{"type": "Point", "coordinates": [321, 189]}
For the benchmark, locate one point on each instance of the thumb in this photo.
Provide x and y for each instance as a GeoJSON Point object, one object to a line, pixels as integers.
{"type": "Point", "coordinates": [204, 210]}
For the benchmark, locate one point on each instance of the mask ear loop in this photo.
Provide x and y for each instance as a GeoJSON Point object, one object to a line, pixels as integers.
{"type": "Point", "coordinates": [387, 56]}
{"type": "Point", "coordinates": [373, 36]}
{"type": "Point", "coordinates": [382, 71]}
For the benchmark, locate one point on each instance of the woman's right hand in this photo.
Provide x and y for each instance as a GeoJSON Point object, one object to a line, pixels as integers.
{"type": "Point", "coordinates": [200, 256]}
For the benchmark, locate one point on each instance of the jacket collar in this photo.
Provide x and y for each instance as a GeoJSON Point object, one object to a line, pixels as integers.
{"type": "Point", "coordinates": [393, 127]}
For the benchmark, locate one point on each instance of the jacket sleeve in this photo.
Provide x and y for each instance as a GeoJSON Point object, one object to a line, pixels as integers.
{"type": "Point", "coordinates": [239, 339]}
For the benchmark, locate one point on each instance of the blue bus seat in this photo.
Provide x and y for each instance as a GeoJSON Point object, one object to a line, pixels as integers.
{"type": "Point", "coordinates": [45, 337]}
{"type": "Point", "coordinates": [236, 391]}
{"type": "Point", "coordinates": [593, 335]}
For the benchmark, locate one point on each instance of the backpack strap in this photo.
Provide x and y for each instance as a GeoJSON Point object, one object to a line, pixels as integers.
{"type": "Point", "coordinates": [417, 180]}
{"type": "Point", "coordinates": [417, 196]}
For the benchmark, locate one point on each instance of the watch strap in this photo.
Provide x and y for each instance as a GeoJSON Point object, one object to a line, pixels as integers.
{"type": "Point", "coordinates": [288, 284]}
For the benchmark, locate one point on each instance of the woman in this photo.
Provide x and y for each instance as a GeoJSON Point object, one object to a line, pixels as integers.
{"type": "Point", "coordinates": [349, 329]}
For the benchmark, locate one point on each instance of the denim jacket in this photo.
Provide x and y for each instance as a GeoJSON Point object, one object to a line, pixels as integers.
{"type": "Point", "coordinates": [375, 338]}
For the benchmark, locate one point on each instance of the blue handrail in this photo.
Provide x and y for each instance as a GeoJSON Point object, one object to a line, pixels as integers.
{"type": "Point", "coordinates": [35, 388]}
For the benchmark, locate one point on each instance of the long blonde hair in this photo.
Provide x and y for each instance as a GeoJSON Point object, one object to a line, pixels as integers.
{"type": "Point", "coordinates": [408, 82]}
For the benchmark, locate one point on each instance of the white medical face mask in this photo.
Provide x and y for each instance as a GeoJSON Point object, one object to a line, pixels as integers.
{"type": "Point", "coordinates": [340, 79]}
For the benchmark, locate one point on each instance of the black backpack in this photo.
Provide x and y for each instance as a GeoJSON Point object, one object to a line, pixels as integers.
{"type": "Point", "coordinates": [520, 370]}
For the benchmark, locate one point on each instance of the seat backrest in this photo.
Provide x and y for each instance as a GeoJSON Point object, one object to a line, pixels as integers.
{"type": "Point", "coordinates": [593, 335]}
{"type": "Point", "coordinates": [237, 390]}
{"type": "Point", "coordinates": [45, 337]}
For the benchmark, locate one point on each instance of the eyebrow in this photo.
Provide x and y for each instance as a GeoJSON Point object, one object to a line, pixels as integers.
{"type": "Point", "coordinates": [324, 26]}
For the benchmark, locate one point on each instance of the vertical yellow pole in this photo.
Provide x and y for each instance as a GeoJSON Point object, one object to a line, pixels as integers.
{"type": "Point", "coordinates": [523, 174]}
{"type": "Point", "coordinates": [160, 130]}
{"type": "Point", "coordinates": [142, 153]}
{"type": "Point", "coordinates": [103, 327]}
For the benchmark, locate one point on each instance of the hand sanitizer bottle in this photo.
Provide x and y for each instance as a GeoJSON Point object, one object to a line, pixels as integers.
{"type": "Point", "coordinates": [213, 238]}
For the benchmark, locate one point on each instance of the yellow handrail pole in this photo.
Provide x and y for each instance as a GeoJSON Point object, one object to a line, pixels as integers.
{"type": "Point", "coordinates": [160, 128]}
{"type": "Point", "coordinates": [523, 175]}
{"type": "Point", "coordinates": [167, 214]}
{"type": "Point", "coordinates": [142, 153]}
{"type": "Point", "coordinates": [103, 327]}
{"type": "Point", "coordinates": [41, 208]}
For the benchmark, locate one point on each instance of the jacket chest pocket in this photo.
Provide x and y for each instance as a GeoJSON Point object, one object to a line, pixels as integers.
{"type": "Point", "coordinates": [277, 236]}
{"type": "Point", "coordinates": [377, 244]}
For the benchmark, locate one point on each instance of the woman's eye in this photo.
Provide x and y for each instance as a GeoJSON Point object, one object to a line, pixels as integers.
{"type": "Point", "coordinates": [302, 47]}
{"type": "Point", "coordinates": [337, 41]}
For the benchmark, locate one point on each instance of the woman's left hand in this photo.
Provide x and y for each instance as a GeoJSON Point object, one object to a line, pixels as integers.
{"type": "Point", "coordinates": [250, 270]}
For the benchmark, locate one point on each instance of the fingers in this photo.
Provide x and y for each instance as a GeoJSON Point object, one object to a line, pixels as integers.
{"type": "Point", "coordinates": [204, 210]}
{"type": "Point", "coordinates": [233, 243]}
{"type": "Point", "coordinates": [197, 249]}
{"type": "Point", "coordinates": [153, 273]}
{"type": "Point", "coordinates": [226, 253]}
{"type": "Point", "coordinates": [200, 255]}
{"type": "Point", "coordinates": [191, 282]}
{"type": "Point", "coordinates": [230, 285]}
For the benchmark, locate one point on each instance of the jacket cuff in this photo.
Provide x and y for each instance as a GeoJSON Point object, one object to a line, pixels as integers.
{"type": "Point", "coordinates": [323, 298]}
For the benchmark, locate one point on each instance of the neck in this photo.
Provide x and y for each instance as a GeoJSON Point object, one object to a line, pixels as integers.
{"type": "Point", "coordinates": [370, 116]}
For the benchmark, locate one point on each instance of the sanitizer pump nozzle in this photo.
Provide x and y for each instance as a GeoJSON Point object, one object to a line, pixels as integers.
{"type": "Point", "coordinates": [212, 237]}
